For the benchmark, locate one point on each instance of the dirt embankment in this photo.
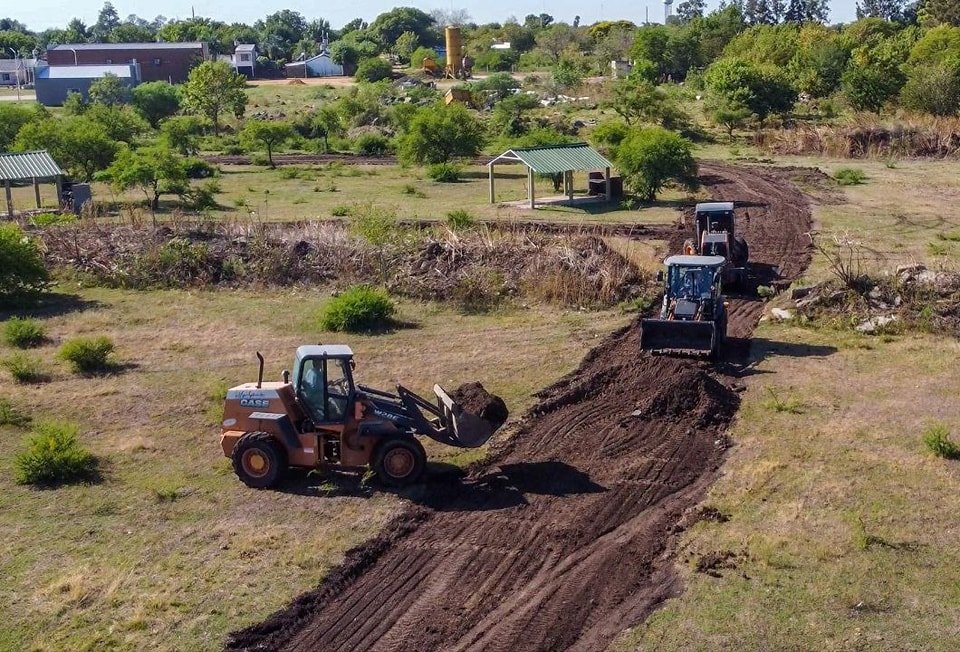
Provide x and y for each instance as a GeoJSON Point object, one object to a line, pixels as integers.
{"type": "Point", "coordinates": [563, 538]}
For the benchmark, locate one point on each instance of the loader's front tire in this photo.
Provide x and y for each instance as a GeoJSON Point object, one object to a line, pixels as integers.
{"type": "Point", "coordinates": [258, 461]}
{"type": "Point", "coordinates": [399, 462]}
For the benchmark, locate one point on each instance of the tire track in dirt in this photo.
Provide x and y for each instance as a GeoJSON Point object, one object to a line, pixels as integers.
{"type": "Point", "coordinates": [563, 538]}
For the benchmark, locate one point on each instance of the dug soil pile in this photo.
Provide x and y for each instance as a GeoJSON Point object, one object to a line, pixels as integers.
{"type": "Point", "coordinates": [563, 538]}
{"type": "Point", "coordinates": [473, 398]}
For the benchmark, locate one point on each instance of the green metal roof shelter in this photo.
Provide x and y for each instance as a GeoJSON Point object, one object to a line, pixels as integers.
{"type": "Point", "coordinates": [29, 167]}
{"type": "Point", "coordinates": [554, 159]}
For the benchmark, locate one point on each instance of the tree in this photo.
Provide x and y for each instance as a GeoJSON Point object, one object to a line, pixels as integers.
{"type": "Point", "coordinates": [374, 70]}
{"type": "Point", "coordinates": [729, 112]}
{"type": "Point", "coordinates": [77, 143]}
{"type": "Point", "coordinates": [154, 170]}
{"type": "Point", "coordinates": [933, 89]}
{"type": "Point", "coordinates": [764, 90]}
{"type": "Point", "coordinates": [637, 100]}
{"type": "Point", "coordinates": [537, 21]}
{"type": "Point", "coordinates": [280, 31]}
{"type": "Point", "coordinates": [328, 122]}
{"type": "Point", "coordinates": [885, 9]}
{"type": "Point", "coordinates": [387, 27]}
{"type": "Point", "coordinates": [945, 12]}
{"type": "Point", "coordinates": [439, 133]}
{"type": "Point", "coordinates": [156, 100]}
{"type": "Point", "coordinates": [107, 21]}
{"type": "Point", "coordinates": [269, 134]}
{"type": "Point", "coordinates": [652, 157]}
{"type": "Point", "coordinates": [869, 87]}
{"type": "Point", "coordinates": [508, 114]}
{"type": "Point", "coordinates": [404, 46]}
{"type": "Point", "coordinates": [214, 88]}
{"type": "Point", "coordinates": [12, 118]}
{"type": "Point", "coordinates": [109, 90]}
{"type": "Point", "coordinates": [690, 9]}
{"type": "Point", "coordinates": [180, 132]}
{"type": "Point", "coordinates": [121, 123]}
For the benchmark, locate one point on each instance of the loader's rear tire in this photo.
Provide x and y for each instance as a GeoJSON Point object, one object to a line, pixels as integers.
{"type": "Point", "coordinates": [399, 462]}
{"type": "Point", "coordinates": [258, 460]}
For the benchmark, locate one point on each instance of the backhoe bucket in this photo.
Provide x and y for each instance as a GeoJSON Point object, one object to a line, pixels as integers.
{"type": "Point", "coordinates": [677, 336]}
{"type": "Point", "coordinates": [465, 429]}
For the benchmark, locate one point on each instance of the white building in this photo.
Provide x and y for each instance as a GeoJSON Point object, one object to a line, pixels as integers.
{"type": "Point", "coordinates": [245, 59]}
{"type": "Point", "coordinates": [14, 70]}
{"type": "Point", "coordinates": [319, 65]}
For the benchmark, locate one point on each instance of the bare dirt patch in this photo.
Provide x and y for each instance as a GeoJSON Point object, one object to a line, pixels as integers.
{"type": "Point", "coordinates": [563, 537]}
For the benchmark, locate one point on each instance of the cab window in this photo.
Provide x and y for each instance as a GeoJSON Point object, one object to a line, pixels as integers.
{"type": "Point", "coordinates": [311, 389]}
{"type": "Point", "coordinates": [325, 389]}
{"type": "Point", "coordinates": [338, 389]}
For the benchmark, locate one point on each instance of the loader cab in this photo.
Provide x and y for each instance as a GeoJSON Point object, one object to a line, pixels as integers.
{"type": "Point", "coordinates": [692, 286]}
{"type": "Point", "coordinates": [714, 217]}
{"type": "Point", "coordinates": [323, 382]}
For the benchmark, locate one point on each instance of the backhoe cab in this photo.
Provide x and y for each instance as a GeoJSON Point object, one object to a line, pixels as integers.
{"type": "Point", "coordinates": [693, 317]}
{"type": "Point", "coordinates": [319, 418]}
{"type": "Point", "coordinates": [714, 226]}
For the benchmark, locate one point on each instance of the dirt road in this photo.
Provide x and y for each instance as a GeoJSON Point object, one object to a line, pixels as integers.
{"type": "Point", "coordinates": [563, 538]}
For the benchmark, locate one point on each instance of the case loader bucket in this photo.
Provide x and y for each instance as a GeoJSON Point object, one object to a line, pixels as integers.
{"type": "Point", "coordinates": [676, 336]}
{"type": "Point", "coordinates": [465, 429]}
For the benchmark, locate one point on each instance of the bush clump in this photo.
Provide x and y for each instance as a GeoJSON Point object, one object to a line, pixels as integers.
{"type": "Point", "coordinates": [371, 144]}
{"type": "Point", "coordinates": [52, 219]}
{"type": "Point", "coordinates": [23, 333]}
{"type": "Point", "coordinates": [460, 220]}
{"type": "Point", "coordinates": [373, 70]}
{"type": "Point", "coordinates": [361, 308]}
{"type": "Point", "coordinates": [25, 368]}
{"type": "Point", "coordinates": [87, 355]}
{"type": "Point", "coordinates": [444, 172]}
{"type": "Point", "coordinates": [54, 456]}
{"type": "Point", "coordinates": [22, 272]}
{"type": "Point", "coordinates": [11, 416]}
{"type": "Point", "coordinates": [937, 440]}
{"type": "Point", "coordinates": [849, 176]}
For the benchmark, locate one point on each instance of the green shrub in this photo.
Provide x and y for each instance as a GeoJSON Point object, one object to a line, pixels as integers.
{"type": "Point", "coordinates": [54, 456]}
{"type": "Point", "coordinates": [25, 368]}
{"type": "Point", "coordinates": [196, 168]}
{"type": "Point", "coordinates": [360, 308]}
{"type": "Point", "coordinates": [87, 354]}
{"type": "Point", "coordinates": [373, 70]}
{"type": "Point", "coordinates": [11, 416]}
{"type": "Point", "coordinates": [444, 172]}
{"type": "Point", "coordinates": [937, 440]}
{"type": "Point", "coordinates": [341, 211]}
{"type": "Point", "coordinates": [52, 219]}
{"type": "Point", "coordinates": [22, 272]}
{"type": "Point", "coordinates": [849, 176]}
{"type": "Point", "coordinates": [460, 220]}
{"type": "Point", "coordinates": [413, 191]}
{"type": "Point", "coordinates": [371, 144]}
{"type": "Point", "coordinates": [766, 291]}
{"type": "Point", "coordinates": [23, 333]}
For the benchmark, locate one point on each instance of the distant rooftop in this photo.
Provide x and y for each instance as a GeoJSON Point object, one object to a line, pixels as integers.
{"type": "Point", "coordinates": [12, 65]}
{"type": "Point", "coordinates": [127, 46]}
{"type": "Point", "coordinates": [245, 47]}
{"type": "Point", "coordinates": [85, 71]}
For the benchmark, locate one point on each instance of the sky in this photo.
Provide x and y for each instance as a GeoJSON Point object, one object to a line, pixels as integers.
{"type": "Point", "coordinates": [42, 14]}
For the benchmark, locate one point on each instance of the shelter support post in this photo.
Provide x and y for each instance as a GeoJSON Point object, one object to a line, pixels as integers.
{"type": "Point", "coordinates": [490, 172]}
{"type": "Point", "coordinates": [530, 189]}
{"type": "Point", "coordinates": [6, 188]}
{"type": "Point", "coordinates": [569, 176]}
{"type": "Point", "coordinates": [36, 191]}
{"type": "Point", "coordinates": [606, 183]}
{"type": "Point", "coordinates": [59, 191]}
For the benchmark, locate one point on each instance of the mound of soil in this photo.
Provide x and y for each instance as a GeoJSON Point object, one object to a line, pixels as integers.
{"type": "Point", "coordinates": [473, 398]}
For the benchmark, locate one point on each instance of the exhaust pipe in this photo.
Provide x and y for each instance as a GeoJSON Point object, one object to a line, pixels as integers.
{"type": "Point", "coordinates": [260, 375]}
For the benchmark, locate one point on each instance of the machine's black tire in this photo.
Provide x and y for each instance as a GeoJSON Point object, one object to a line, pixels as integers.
{"type": "Point", "coordinates": [744, 252]}
{"type": "Point", "coordinates": [399, 461]}
{"type": "Point", "coordinates": [258, 460]}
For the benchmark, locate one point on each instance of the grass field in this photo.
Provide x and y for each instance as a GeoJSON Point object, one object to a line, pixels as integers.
{"type": "Point", "coordinates": [842, 527]}
{"type": "Point", "coordinates": [293, 193]}
{"type": "Point", "coordinates": [170, 551]}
